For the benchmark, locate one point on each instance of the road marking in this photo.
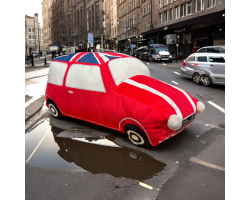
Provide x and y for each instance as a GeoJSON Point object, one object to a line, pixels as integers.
{"type": "Point", "coordinates": [216, 106]}
{"type": "Point", "coordinates": [201, 162]}
{"type": "Point", "coordinates": [174, 82]}
{"type": "Point", "coordinates": [31, 100]}
{"type": "Point", "coordinates": [147, 63]}
{"type": "Point", "coordinates": [163, 63]}
{"type": "Point", "coordinates": [145, 185]}
{"type": "Point", "coordinates": [176, 73]}
{"type": "Point", "coordinates": [37, 146]}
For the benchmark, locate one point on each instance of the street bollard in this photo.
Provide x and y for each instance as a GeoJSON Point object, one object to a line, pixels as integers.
{"type": "Point", "coordinates": [45, 62]}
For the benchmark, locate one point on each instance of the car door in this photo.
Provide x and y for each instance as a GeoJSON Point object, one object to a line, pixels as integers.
{"type": "Point", "coordinates": [202, 63]}
{"type": "Point", "coordinates": [84, 89]}
{"type": "Point", "coordinates": [217, 65]}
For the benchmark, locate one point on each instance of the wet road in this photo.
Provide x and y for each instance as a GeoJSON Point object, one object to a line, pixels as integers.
{"type": "Point", "coordinates": [72, 159]}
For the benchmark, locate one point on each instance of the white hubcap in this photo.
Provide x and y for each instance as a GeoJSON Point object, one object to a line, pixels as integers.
{"type": "Point", "coordinates": [53, 110]}
{"type": "Point", "coordinates": [135, 138]}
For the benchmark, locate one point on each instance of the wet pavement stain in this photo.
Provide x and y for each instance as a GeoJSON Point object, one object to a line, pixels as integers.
{"type": "Point", "coordinates": [45, 147]}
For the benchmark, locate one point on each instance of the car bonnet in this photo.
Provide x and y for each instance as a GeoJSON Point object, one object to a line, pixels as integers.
{"type": "Point", "coordinates": [165, 98]}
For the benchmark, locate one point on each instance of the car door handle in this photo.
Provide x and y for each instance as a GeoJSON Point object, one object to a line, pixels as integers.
{"type": "Point", "coordinates": [211, 65]}
{"type": "Point", "coordinates": [70, 92]}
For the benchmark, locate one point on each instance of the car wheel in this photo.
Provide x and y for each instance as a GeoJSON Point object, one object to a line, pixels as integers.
{"type": "Point", "coordinates": [206, 80]}
{"type": "Point", "coordinates": [54, 111]}
{"type": "Point", "coordinates": [140, 57]}
{"type": "Point", "coordinates": [151, 59]}
{"type": "Point", "coordinates": [196, 78]}
{"type": "Point", "coordinates": [171, 61]}
{"type": "Point", "coordinates": [136, 135]}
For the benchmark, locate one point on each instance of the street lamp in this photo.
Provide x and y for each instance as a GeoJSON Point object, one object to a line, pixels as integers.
{"type": "Point", "coordinates": [177, 47]}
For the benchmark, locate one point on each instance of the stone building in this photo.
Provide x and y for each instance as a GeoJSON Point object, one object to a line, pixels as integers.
{"type": "Point", "coordinates": [33, 35]}
{"type": "Point", "coordinates": [189, 23]}
{"type": "Point", "coordinates": [94, 20]}
{"type": "Point", "coordinates": [46, 16]}
{"type": "Point", "coordinates": [110, 25]}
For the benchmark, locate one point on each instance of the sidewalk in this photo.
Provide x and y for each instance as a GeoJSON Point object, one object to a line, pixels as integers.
{"type": "Point", "coordinates": [39, 64]}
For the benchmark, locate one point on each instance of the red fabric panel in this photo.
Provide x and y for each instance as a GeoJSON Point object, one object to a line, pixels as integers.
{"type": "Point", "coordinates": [177, 96]}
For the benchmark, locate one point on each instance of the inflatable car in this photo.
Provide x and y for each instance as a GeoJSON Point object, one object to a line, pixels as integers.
{"type": "Point", "coordinates": [116, 91]}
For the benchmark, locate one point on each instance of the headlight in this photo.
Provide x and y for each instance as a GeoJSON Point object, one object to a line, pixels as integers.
{"type": "Point", "coordinates": [174, 122]}
{"type": "Point", "coordinates": [200, 107]}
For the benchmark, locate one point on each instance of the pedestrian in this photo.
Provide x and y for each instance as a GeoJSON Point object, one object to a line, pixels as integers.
{"type": "Point", "coordinates": [32, 59]}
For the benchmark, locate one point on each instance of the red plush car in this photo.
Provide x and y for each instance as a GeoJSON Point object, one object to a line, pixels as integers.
{"type": "Point", "coordinates": [116, 91]}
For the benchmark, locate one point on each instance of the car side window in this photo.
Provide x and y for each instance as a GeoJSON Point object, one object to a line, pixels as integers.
{"type": "Point", "coordinates": [153, 51]}
{"type": "Point", "coordinates": [85, 77]}
{"type": "Point", "coordinates": [212, 50]}
{"type": "Point", "coordinates": [217, 59]}
{"type": "Point", "coordinates": [202, 50]}
{"type": "Point", "coordinates": [191, 58]}
{"type": "Point", "coordinates": [56, 73]}
{"type": "Point", "coordinates": [202, 59]}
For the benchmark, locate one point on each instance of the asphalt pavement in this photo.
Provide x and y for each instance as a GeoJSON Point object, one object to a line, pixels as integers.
{"type": "Point", "coordinates": [193, 161]}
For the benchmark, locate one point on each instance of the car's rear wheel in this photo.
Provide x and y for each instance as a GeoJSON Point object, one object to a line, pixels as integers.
{"type": "Point", "coordinates": [136, 135]}
{"type": "Point", "coordinates": [54, 111]}
{"type": "Point", "coordinates": [196, 77]}
{"type": "Point", "coordinates": [206, 80]}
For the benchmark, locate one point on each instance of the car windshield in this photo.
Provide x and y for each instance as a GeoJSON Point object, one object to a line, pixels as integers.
{"type": "Point", "coordinates": [222, 50]}
{"type": "Point", "coordinates": [124, 68]}
{"type": "Point", "coordinates": [163, 49]}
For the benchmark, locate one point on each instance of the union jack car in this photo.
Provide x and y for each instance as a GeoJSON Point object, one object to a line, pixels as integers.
{"type": "Point", "coordinates": [116, 91]}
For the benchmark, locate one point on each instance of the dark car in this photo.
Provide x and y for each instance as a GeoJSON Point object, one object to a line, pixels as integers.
{"type": "Point", "coordinates": [127, 51]}
{"type": "Point", "coordinates": [141, 53]}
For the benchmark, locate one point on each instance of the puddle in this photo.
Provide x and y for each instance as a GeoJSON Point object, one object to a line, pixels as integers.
{"type": "Point", "coordinates": [74, 149]}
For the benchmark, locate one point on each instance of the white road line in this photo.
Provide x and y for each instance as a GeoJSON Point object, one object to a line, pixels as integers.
{"type": "Point", "coordinates": [174, 82]}
{"type": "Point", "coordinates": [147, 63]}
{"type": "Point", "coordinates": [216, 106]}
{"type": "Point", "coordinates": [37, 146]}
{"type": "Point", "coordinates": [145, 185]}
{"type": "Point", "coordinates": [176, 73]}
{"type": "Point", "coordinates": [201, 162]}
{"type": "Point", "coordinates": [31, 100]}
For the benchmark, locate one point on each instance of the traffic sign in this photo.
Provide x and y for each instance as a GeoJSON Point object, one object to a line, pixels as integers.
{"type": "Point", "coordinates": [90, 38]}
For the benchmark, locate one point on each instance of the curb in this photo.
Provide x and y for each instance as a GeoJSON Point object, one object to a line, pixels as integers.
{"type": "Point", "coordinates": [33, 108]}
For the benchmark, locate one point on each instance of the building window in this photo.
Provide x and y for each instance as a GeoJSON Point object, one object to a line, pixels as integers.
{"type": "Point", "coordinates": [177, 12]}
{"type": "Point", "coordinates": [165, 16]}
{"type": "Point", "coordinates": [139, 17]}
{"type": "Point", "coordinates": [189, 5]}
{"type": "Point", "coordinates": [211, 3]}
{"type": "Point", "coordinates": [161, 18]}
{"type": "Point", "coordinates": [202, 4]}
{"type": "Point", "coordinates": [165, 2]}
{"type": "Point", "coordinates": [160, 3]}
{"type": "Point", "coordinates": [170, 14]}
{"type": "Point", "coordinates": [183, 8]}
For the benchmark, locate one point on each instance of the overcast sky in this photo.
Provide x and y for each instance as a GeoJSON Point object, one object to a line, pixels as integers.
{"type": "Point", "coordinates": [32, 7]}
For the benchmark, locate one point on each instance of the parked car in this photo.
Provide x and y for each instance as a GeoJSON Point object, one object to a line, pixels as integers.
{"type": "Point", "coordinates": [116, 91]}
{"type": "Point", "coordinates": [127, 51]}
{"type": "Point", "coordinates": [211, 49]}
{"type": "Point", "coordinates": [206, 68]}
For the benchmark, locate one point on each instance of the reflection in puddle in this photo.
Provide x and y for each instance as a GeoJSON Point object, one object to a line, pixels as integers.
{"type": "Point", "coordinates": [94, 154]}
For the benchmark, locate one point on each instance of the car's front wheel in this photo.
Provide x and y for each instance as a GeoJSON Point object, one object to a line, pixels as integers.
{"type": "Point", "coordinates": [136, 135]}
{"type": "Point", "coordinates": [54, 111]}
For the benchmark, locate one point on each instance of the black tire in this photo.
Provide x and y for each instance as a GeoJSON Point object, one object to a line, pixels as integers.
{"type": "Point", "coordinates": [196, 78]}
{"type": "Point", "coordinates": [206, 80]}
{"type": "Point", "coordinates": [136, 135]}
{"type": "Point", "coordinates": [54, 111]}
{"type": "Point", "coordinates": [140, 57]}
